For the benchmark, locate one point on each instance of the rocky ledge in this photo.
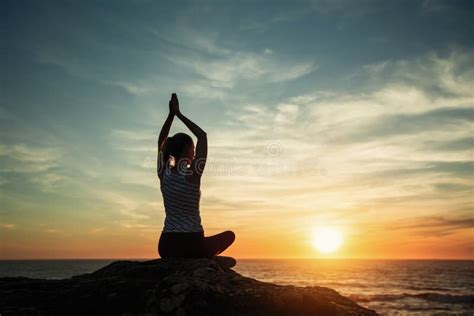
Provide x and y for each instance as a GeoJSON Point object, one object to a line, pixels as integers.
{"type": "Point", "coordinates": [167, 286]}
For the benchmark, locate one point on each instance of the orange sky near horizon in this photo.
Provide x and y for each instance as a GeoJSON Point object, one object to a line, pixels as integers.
{"type": "Point", "coordinates": [359, 243]}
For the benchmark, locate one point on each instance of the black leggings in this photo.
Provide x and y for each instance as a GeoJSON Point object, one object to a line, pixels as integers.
{"type": "Point", "coordinates": [194, 245]}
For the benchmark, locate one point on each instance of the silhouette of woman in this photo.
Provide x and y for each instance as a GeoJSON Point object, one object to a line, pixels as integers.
{"type": "Point", "coordinates": [180, 169]}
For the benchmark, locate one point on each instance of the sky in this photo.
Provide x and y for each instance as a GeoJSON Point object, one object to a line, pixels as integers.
{"type": "Point", "coordinates": [351, 115]}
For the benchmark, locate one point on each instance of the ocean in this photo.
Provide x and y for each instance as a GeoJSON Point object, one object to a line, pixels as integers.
{"type": "Point", "coordinates": [391, 287]}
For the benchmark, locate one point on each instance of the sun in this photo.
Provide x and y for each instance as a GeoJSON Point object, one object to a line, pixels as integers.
{"type": "Point", "coordinates": [327, 240]}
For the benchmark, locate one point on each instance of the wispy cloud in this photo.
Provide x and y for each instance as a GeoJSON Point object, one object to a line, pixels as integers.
{"type": "Point", "coordinates": [356, 138]}
{"type": "Point", "coordinates": [27, 153]}
{"type": "Point", "coordinates": [49, 181]}
{"type": "Point", "coordinates": [25, 158]}
{"type": "Point", "coordinates": [7, 226]}
{"type": "Point", "coordinates": [52, 231]}
{"type": "Point", "coordinates": [436, 225]}
{"type": "Point", "coordinates": [241, 66]}
{"type": "Point", "coordinates": [96, 230]}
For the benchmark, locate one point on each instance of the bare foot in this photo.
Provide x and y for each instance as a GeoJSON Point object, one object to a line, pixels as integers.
{"type": "Point", "coordinates": [225, 262]}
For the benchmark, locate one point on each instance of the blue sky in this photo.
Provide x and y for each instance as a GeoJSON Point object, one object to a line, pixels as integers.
{"type": "Point", "coordinates": [369, 103]}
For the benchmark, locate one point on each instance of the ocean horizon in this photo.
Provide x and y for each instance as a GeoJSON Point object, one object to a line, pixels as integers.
{"type": "Point", "coordinates": [389, 286]}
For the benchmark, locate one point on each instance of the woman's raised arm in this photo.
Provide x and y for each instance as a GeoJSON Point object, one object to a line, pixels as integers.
{"type": "Point", "coordinates": [165, 130]}
{"type": "Point", "coordinates": [173, 105]}
{"type": "Point", "coordinates": [197, 131]}
{"type": "Point", "coordinates": [199, 161]}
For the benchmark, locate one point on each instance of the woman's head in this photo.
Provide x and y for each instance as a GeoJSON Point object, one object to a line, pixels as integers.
{"type": "Point", "coordinates": [180, 146]}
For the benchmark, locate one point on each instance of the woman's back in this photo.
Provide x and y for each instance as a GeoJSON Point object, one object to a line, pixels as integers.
{"type": "Point", "coordinates": [181, 201]}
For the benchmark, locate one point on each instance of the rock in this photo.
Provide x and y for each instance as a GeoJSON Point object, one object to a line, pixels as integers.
{"type": "Point", "coordinates": [167, 286]}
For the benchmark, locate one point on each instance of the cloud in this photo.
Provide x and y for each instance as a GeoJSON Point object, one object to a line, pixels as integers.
{"type": "Point", "coordinates": [7, 226]}
{"type": "Point", "coordinates": [453, 187]}
{"type": "Point", "coordinates": [96, 230]}
{"type": "Point", "coordinates": [228, 71]}
{"type": "Point", "coordinates": [401, 124]}
{"type": "Point", "coordinates": [389, 145]}
{"type": "Point", "coordinates": [48, 182]}
{"type": "Point", "coordinates": [219, 66]}
{"type": "Point", "coordinates": [187, 38]}
{"type": "Point", "coordinates": [327, 126]}
{"type": "Point", "coordinates": [459, 169]}
{"type": "Point", "coordinates": [204, 89]}
{"type": "Point", "coordinates": [200, 61]}
{"type": "Point", "coordinates": [448, 76]}
{"type": "Point", "coordinates": [436, 225]}
{"type": "Point", "coordinates": [457, 144]}
{"type": "Point", "coordinates": [27, 153]}
{"type": "Point", "coordinates": [22, 158]}
{"type": "Point", "coordinates": [132, 135]}
{"type": "Point", "coordinates": [137, 147]}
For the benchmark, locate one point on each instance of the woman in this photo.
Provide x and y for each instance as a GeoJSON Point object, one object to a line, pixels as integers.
{"type": "Point", "coordinates": [180, 170]}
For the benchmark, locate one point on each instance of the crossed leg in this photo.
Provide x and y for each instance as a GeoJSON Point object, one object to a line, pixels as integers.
{"type": "Point", "coordinates": [216, 244]}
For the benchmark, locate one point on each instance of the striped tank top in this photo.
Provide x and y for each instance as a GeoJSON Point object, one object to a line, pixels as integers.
{"type": "Point", "coordinates": [181, 202]}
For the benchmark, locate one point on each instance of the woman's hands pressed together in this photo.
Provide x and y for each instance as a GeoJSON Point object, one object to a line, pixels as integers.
{"type": "Point", "coordinates": [174, 104]}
